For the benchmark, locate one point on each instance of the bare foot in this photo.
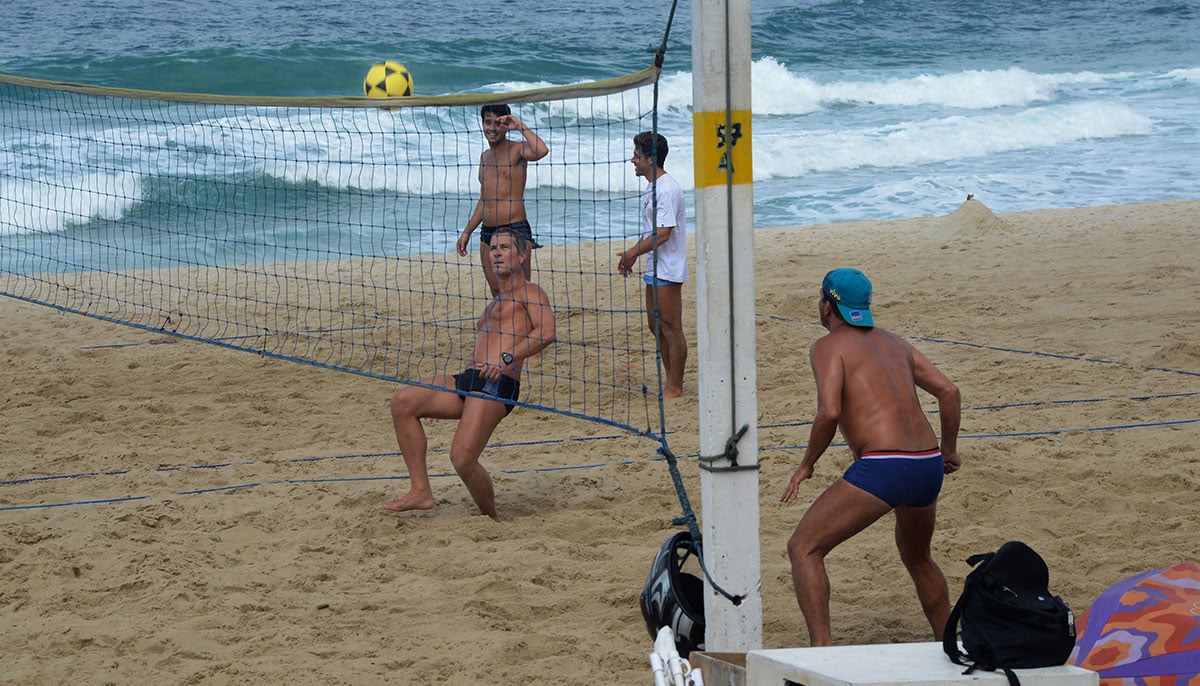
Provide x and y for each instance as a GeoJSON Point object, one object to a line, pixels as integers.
{"type": "Point", "coordinates": [672, 393]}
{"type": "Point", "coordinates": [411, 501]}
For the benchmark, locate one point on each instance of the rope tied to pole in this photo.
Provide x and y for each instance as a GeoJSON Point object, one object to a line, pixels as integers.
{"type": "Point", "coordinates": [689, 519]}
{"type": "Point", "coordinates": [731, 454]}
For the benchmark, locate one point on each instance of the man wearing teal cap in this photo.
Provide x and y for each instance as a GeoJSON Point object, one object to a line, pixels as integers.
{"type": "Point", "coordinates": [866, 385]}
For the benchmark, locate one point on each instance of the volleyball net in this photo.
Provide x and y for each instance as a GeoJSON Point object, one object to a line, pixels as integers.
{"type": "Point", "coordinates": [323, 230]}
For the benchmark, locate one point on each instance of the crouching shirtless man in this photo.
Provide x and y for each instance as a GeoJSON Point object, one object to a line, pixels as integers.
{"type": "Point", "coordinates": [867, 380]}
{"type": "Point", "coordinates": [515, 325]}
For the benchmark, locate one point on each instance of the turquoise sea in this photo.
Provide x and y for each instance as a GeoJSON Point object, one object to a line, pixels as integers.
{"type": "Point", "coordinates": [863, 109]}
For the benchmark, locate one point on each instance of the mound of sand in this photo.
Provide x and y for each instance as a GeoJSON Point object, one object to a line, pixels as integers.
{"type": "Point", "coordinates": [971, 219]}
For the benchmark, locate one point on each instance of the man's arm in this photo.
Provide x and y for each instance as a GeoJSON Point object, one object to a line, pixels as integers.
{"type": "Point", "coordinates": [626, 259]}
{"type": "Point", "coordinates": [464, 239]}
{"type": "Point", "coordinates": [931, 379]}
{"type": "Point", "coordinates": [541, 333]}
{"type": "Point", "coordinates": [533, 148]}
{"type": "Point", "coordinates": [541, 321]}
{"type": "Point", "coordinates": [829, 372]}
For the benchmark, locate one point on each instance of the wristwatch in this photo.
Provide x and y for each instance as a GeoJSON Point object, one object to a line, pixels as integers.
{"type": "Point", "coordinates": [506, 358]}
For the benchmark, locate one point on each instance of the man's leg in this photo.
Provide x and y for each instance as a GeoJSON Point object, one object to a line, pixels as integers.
{"type": "Point", "coordinates": [479, 419]}
{"type": "Point", "coordinates": [837, 514]}
{"type": "Point", "coordinates": [672, 341]}
{"type": "Point", "coordinates": [409, 405]}
{"type": "Point", "coordinates": [914, 531]}
{"type": "Point", "coordinates": [485, 258]}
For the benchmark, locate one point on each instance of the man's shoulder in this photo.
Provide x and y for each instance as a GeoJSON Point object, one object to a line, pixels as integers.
{"type": "Point", "coordinates": [512, 151]}
{"type": "Point", "coordinates": [847, 335]}
{"type": "Point", "coordinates": [526, 292]}
{"type": "Point", "coordinates": [824, 344]}
{"type": "Point", "coordinates": [667, 189]}
{"type": "Point", "coordinates": [860, 344]}
{"type": "Point", "coordinates": [535, 293]}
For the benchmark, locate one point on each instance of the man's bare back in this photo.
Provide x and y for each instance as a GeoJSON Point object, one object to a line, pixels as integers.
{"type": "Point", "coordinates": [880, 410]}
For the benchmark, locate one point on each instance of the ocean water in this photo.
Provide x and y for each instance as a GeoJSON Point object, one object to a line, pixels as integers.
{"type": "Point", "coordinates": [862, 109]}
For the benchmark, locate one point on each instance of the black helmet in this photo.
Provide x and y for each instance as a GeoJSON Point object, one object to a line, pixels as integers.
{"type": "Point", "coordinates": [674, 598]}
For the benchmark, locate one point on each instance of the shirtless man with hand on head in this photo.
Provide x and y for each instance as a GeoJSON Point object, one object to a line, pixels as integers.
{"type": "Point", "coordinates": [867, 380]}
{"type": "Point", "coordinates": [517, 324]}
{"type": "Point", "coordinates": [502, 171]}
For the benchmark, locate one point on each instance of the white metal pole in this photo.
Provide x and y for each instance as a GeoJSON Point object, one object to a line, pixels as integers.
{"type": "Point", "coordinates": [725, 314]}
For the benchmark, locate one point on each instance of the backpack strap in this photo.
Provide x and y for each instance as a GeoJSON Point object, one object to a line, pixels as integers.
{"type": "Point", "coordinates": [950, 636]}
{"type": "Point", "coordinates": [975, 559]}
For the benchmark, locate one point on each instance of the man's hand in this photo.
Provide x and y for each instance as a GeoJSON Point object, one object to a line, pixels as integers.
{"type": "Point", "coordinates": [464, 239]}
{"type": "Point", "coordinates": [625, 263]}
{"type": "Point", "coordinates": [491, 372]}
{"type": "Point", "coordinates": [510, 122]}
{"type": "Point", "coordinates": [802, 474]}
{"type": "Point", "coordinates": [950, 462]}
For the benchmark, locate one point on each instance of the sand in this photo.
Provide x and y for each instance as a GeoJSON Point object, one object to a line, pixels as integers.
{"type": "Point", "coordinates": [224, 522]}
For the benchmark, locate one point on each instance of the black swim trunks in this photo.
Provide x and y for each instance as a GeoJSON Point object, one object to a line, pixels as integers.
{"type": "Point", "coordinates": [521, 228]}
{"type": "Point", "coordinates": [504, 388]}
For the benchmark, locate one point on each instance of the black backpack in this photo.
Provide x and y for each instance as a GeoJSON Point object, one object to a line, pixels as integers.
{"type": "Point", "coordinates": [1010, 619]}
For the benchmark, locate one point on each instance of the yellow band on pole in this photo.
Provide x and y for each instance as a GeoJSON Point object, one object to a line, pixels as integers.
{"type": "Point", "coordinates": [723, 148]}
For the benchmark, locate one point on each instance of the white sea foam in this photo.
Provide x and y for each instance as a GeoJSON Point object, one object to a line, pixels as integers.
{"type": "Point", "coordinates": [779, 91]}
{"type": "Point", "coordinates": [1192, 74]}
{"type": "Point", "coordinates": [38, 197]}
{"type": "Point", "coordinates": [51, 206]}
{"type": "Point", "coordinates": [788, 153]}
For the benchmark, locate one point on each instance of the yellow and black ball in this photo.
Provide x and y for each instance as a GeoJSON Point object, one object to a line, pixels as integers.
{"type": "Point", "coordinates": [387, 80]}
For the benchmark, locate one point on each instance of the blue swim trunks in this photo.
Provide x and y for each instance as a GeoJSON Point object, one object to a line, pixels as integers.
{"type": "Point", "coordinates": [504, 388]}
{"type": "Point", "coordinates": [652, 280]}
{"type": "Point", "coordinates": [521, 228]}
{"type": "Point", "coordinates": [899, 477]}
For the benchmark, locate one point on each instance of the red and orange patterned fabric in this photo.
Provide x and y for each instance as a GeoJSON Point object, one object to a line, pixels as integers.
{"type": "Point", "coordinates": [1145, 630]}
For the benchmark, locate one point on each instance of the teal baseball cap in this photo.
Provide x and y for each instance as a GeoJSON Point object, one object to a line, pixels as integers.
{"type": "Point", "coordinates": [850, 290]}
